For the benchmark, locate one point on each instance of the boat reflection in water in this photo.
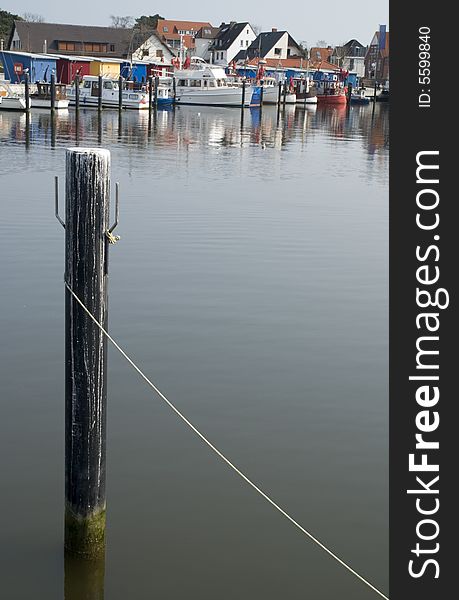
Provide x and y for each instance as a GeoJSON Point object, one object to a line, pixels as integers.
{"type": "Point", "coordinates": [184, 126]}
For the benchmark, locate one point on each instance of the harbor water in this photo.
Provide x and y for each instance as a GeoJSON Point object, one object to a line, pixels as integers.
{"type": "Point", "coordinates": [251, 284]}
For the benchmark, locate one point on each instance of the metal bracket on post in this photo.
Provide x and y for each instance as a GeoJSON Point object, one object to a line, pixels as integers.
{"type": "Point", "coordinates": [56, 201]}
{"type": "Point", "coordinates": [115, 238]}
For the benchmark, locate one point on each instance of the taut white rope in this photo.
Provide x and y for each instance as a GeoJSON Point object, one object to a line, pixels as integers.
{"type": "Point", "coordinates": [218, 453]}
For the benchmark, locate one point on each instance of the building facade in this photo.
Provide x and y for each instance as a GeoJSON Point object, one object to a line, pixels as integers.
{"type": "Point", "coordinates": [230, 40]}
{"type": "Point", "coordinates": [350, 57]}
{"type": "Point", "coordinates": [377, 58]}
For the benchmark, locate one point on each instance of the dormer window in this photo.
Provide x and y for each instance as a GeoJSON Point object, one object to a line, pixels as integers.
{"type": "Point", "coordinates": [166, 29]}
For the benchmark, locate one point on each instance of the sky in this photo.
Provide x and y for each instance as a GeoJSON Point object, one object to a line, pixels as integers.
{"type": "Point", "coordinates": [334, 21]}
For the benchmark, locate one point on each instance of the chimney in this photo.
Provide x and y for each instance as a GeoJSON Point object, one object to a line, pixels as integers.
{"type": "Point", "coordinates": [45, 47]}
{"type": "Point", "coordinates": [274, 29]}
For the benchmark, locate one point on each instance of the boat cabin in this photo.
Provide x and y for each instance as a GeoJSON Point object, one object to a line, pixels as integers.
{"type": "Point", "coordinates": [44, 91]}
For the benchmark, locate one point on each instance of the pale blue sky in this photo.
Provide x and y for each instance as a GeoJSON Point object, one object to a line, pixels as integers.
{"type": "Point", "coordinates": [334, 21]}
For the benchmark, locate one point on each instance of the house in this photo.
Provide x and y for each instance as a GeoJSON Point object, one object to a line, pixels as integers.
{"type": "Point", "coordinates": [171, 32]}
{"type": "Point", "coordinates": [85, 40]}
{"type": "Point", "coordinates": [70, 66]}
{"type": "Point", "coordinates": [230, 40]}
{"type": "Point", "coordinates": [377, 57]}
{"type": "Point", "coordinates": [203, 41]}
{"type": "Point", "coordinates": [16, 64]}
{"type": "Point", "coordinates": [350, 57]}
{"type": "Point", "coordinates": [318, 55]}
{"type": "Point", "coordinates": [276, 45]}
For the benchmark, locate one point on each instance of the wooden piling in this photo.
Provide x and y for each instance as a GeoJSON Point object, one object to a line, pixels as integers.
{"type": "Point", "coordinates": [243, 93]}
{"type": "Point", "coordinates": [262, 93]}
{"type": "Point", "coordinates": [99, 99]}
{"type": "Point", "coordinates": [53, 92]}
{"type": "Point", "coordinates": [150, 93]}
{"type": "Point", "coordinates": [120, 93]}
{"type": "Point", "coordinates": [27, 91]}
{"type": "Point", "coordinates": [285, 93]}
{"type": "Point", "coordinates": [174, 87]}
{"type": "Point", "coordinates": [76, 83]}
{"type": "Point", "coordinates": [86, 260]}
{"type": "Point", "coordinates": [279, 95]}
{"type": "Point", "coordinates": [156, 91]}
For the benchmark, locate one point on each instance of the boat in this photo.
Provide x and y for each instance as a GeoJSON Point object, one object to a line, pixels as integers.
{"type": "Point", "coordinates": [271, 92]}
{"type": "Point", "coordinates": [331, 92]}
{"type": "Point", "coordinates": [89, 94]}
{"type": "Point", "coordinates": [11, 97]}
{"type": "Point", "coordinates": [306, 91]}
{"type": "Point", "coordinates": [42, 97]}
{"type": "Point", "coordinates": [359, 97]}
{"type": "Point", "coordinates": [202, 84]}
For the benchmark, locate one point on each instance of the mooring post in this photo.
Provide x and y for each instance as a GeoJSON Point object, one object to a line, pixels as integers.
{"type": "Point", "coordinates": [285, 93]}
{"type": "Point", "coordinates": [349, 94]}
{"type": "Point", "coordinates": [156, 90]}
{"type": "Point", "coordinates": [120, 93]}
{"type": "Point", "coordinates": [262, 93]}
{"type": "Point", "coordinates": [87, 195]}
{"type": "Point", "coordinates": [279, 95]}
{"type": "Point", "coordinates": [99, 99]}
{"type": "Point", "coordinates": [27, 91]}
{"type": "Point", "coordinates": [53, 92]}
{"type": "Point", "coordinates": [150, 93]}
{"type": "Point", "coordinates": [174, 87]}
{"type": "Point", "coordinates": [77, 92]}
{"type": "Point", "coordinates": [243, 93]}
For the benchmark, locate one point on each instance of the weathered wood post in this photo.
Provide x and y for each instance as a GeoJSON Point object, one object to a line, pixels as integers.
{"type": "Point", "coordinates": [285, 93]}
{"type": "Point", "coordinates": [120, 93]}
{"type": "Point", "coordinates": [150, 93]}
{"type": "Point", "coordinates": [174, 87]}
{"type": "Point", "coordinates": [53, 92]}
{"type": "Point", "coordinates": [86, 223]}
{"type": "Point", "coordinates": [279, 95]}
{"type": "Point", "coordinates": [27, 91]}
{"type": "Point", "coordinates": [76, 83]}
{"type": "Point", "coordinates": [99, 99]}
{"type": "Point", "coordinates": [349, 94]}
{"type": "Point", "coordinates": [262, 93]}
{"type": "Point", "coordinates": [243, 93]}
{"type": "Point", "coordinates": [156, 90]}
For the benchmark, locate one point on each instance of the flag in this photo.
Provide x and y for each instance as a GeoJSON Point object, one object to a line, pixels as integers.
{"type": "Point", "coordinates": [382, 37]}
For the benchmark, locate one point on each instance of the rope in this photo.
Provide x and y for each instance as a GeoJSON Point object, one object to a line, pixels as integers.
{"type": "Point", "coordinates": [219, 454]}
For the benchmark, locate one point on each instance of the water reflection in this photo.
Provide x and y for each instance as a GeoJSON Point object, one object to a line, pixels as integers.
{"type": "Point", "coordinates": [187, 125]}
{"type": "Point", "coordinates": [83, 579]}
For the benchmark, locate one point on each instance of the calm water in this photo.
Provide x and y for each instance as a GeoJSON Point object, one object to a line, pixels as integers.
{"type": "Point", "coordinates": [251, 284]}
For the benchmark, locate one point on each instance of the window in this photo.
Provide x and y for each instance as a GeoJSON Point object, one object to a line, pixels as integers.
{"type": "Point", "coordinates": [351, 64]}
{"type": "Point", "coordinates": [246, 43]}
{"type": "Point", "coordinates": [112, 47]}
{"type": "Point", "coordinates": [242, 42]}
{"type": "Point", "coordinates": [90, 47]}
{"type": "Point", "coordinates": [166, 29]}
{"type": "Point", "coordinates": [183, 82]}
{"type": "Point", "coordinates": [277, 51]}
{"type": "Point", "coordinates": [159, 53]}
{"type": "Point", "coordinates": [108, 85]}
{"type": "Point", "coordinates": [70, 46]}
{"type": "Point", "coordinates": [17, 44]}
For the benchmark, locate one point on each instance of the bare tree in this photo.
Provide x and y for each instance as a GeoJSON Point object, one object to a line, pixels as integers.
{"type": "Point", "coordinates": [257, 29]}
{"type": "Point", "coordinates": [321, 44]}
{"type": "Point", "coordinates": [33, 18]}
{"type": "Point", "coordinates": [118, 22]}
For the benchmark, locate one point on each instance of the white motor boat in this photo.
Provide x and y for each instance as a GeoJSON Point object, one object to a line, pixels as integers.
{"type": "Point", "coordinates": [271, 92]}
{"type": "Point", "coordinates": [203, 84]}
{"type": "Point", "coordinates": [89, 94]}
{"type": "Point", "coordinates": [11, 97]}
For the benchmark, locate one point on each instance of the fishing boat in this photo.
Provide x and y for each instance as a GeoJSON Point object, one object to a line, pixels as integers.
{"type": "Point", "coordinates": [331, 92]}
{"type": "Point", "coordinates": [202, 84]}
{"type": "Point", "coordinates": [306, 91]}
{"type": "Point", "coordinates": [89, 94]}
{"type": "Point", "coordinates": [359, 97]}
{"type": "Point", "coordinates": [42, 97]}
